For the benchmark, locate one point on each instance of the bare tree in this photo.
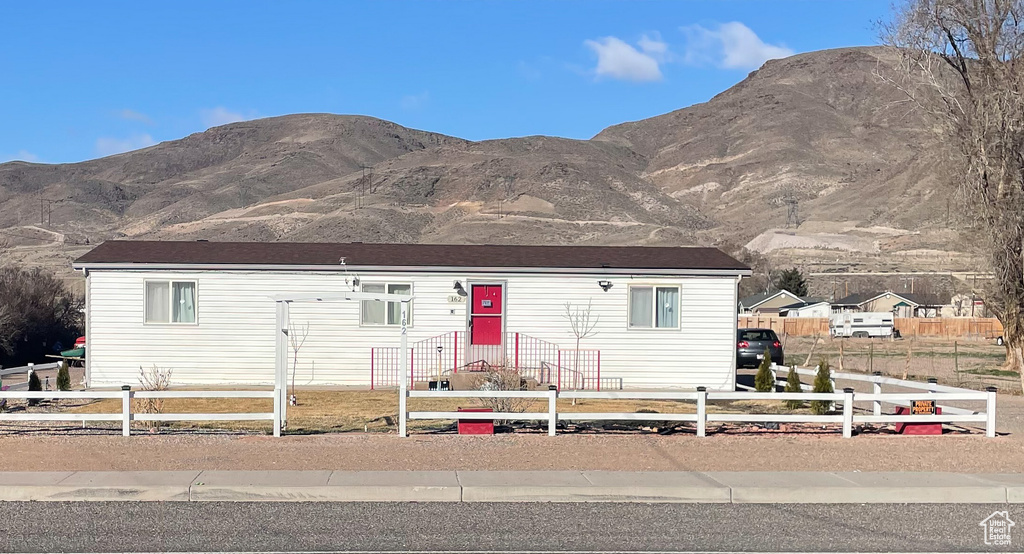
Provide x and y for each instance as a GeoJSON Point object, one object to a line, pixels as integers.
{"type": "Point", "coordinates": [961, 63]}
{"type": "Point", "coordinates": [502, 378]}
{"type": "Point", "coordinates": [583, 324]}
{"type": "Point", "coordinates": [297, 337]}
{"type": "Point", "coordinates": [154, 379]}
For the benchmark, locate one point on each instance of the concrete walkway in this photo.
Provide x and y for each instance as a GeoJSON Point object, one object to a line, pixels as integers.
{"type": "Point", "coordinates": [513, 486]}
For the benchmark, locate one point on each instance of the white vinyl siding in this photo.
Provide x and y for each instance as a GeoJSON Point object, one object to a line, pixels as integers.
{"type": "Point", "coordinates": [234, 344]}
{"type": "Point", "coordinates": [170, 302]}
{"type": "Point", "coordinates": [384, 313]}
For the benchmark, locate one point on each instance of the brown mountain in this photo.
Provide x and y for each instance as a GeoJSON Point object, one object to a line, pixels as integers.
{"type": "Point", "coordinates": [816, 140]}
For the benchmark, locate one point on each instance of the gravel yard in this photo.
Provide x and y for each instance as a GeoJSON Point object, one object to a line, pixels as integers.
{"type": "Point", "coordinates": [624, 452]}
{"type": "Point", "coordinates": [631, 450]}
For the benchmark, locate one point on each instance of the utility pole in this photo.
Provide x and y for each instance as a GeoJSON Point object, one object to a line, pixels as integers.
{"type": "Point", "coordinates": [792, 210]}
{"type": "Point", "coordinates": [45, 211]}
{"type": "Point", "coordinates": [362, 184]}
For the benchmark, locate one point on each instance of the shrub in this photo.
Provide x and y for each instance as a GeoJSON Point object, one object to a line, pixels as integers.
{"type": "Point", "coordinates": [63, 377]}
{"type": "Point", "coordinates": [793, 385]}
{"type": "Point", "coordinates": [153, 379]}
{"type": "Point", "coordinates": [502, 378]}
{"type": "Point", "coordinates": [764, 381]}
{"type": "Point", "coordinates": [34, 384]}
{"type": "Point", "coordinates": [822, 383]}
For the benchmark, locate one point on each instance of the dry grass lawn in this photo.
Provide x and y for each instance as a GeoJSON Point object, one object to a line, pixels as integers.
{"type": "Point", "coordinates": [323, 411]}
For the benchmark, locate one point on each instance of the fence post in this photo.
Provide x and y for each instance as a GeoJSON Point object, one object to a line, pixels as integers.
{"type": "Point", "coordinates": [552, 414]}
{"type": "Point", "coordinates": [832, 383]}
{"type": "Point", "coordinates": [775, 377]}
{"type": "Point", "coordinates": [277, 412]}
{"type": "Point", "coordinates": [877, 389]}
{"type": "Point", "coordinates": [847, 413]}
{"type": "Point", "coordinates": [932, 381]}
{"type": "Point", "coordinates": [702, 411]}
{"type": "Point", "coordinates": [126, 410]}
{"type": "Point", "coordinates": [990, 412]}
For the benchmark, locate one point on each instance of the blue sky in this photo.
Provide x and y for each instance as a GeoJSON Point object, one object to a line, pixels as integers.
{"type": "Point", "coordinates": [87, 79]}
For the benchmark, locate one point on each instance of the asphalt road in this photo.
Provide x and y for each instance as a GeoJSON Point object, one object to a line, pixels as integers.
{"type": "Point", "coordinates": [292, 527]}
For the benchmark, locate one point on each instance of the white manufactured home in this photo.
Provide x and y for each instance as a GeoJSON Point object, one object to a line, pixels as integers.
{"type": "Point", "coordinates": [661, 317]}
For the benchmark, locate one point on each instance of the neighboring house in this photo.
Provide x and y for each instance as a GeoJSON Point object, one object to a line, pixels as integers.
{"type": "Point", "coordinates": [767, 303]}
{"type": "Point", "coordinates": [809, 307]}
{"type": "Point", "coordinates": [664, 317]}
{"type": "Point", "coordinates": [899, 304]}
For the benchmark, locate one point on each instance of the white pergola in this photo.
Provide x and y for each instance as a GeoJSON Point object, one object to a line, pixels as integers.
{"type": "Point", "coordinates": [284, 302]}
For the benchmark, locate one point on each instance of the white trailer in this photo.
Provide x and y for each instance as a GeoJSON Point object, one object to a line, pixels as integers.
{"type": "Point", "coordinates": [862, 324]}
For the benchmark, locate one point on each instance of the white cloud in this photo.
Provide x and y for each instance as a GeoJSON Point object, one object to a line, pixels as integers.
{"type": "Point", "coordinates": [132, 115]}
{"type": "Point", "coordinates": [23, 155]}
{"type": "Point", "coordinates": [654, 46]}
{"type": "Point", "coordinates": [108, 146]}
{"type": "Point", "coordinates": [220, 115]}
{"type": "Point", "coordinates": [618, 60]}
{"type": "Point", "coordinates": [414, 101]}
{"type": "Point", "coordinates": [731, 45]}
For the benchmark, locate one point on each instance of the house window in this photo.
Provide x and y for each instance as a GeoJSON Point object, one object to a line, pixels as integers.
{"type": "Point", "coordinates": [654, 307]}
{"type": "Point", "coordinates": [170, 302]}
{"type": "Point", "coordinates": [374, 312]}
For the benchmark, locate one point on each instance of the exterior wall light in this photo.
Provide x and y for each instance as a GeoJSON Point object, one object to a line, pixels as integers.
{"type": "Point", "coordinates": [605, 285]}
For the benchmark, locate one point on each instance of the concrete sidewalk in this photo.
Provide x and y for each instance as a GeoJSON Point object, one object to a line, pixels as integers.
{"type": "Point", "coordinates": [513, 486]}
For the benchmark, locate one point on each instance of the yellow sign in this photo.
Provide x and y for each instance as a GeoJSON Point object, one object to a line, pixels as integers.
{"type": "Point", "coordinates": [922, 407]}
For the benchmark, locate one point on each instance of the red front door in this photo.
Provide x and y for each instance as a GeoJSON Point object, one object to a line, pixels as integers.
{"type": "Point", "coordinates": [485, 318]}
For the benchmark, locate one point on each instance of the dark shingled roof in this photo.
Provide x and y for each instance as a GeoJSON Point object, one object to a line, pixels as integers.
{"type": "Point", "coordinates": [409, 255]}
{"type": "Point", "coordinates": [856, 299]}
{"type": "Point", "coordinates": [916, 298]}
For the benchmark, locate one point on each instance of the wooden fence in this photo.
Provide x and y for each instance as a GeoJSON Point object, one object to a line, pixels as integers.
{"type": "Point", "coordinates": [949, 327]}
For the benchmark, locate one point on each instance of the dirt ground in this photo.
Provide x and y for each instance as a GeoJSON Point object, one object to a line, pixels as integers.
{"type": "Point", "coordinates": [968, 363]}
{"type": "Point", "coordinates": [623, 452]}
{"type": "Point", "coordinates": [69, 449]}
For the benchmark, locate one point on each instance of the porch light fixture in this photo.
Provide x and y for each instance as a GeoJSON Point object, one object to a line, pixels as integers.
{"type": "Point", "coordinates": [605, 285]}
{"type": "Point", "coordinates": [458, 288]}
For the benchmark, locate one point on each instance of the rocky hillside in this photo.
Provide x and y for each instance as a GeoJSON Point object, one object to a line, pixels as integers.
{"type": "Point", "coordinates": [810, 158]}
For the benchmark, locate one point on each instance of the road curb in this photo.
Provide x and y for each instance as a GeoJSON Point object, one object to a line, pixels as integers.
{"type": "Point", "coordinates": [521, 486]}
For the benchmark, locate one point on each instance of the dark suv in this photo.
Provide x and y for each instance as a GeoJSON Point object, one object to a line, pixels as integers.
{"type": "Point", "coordinates": [751, 344]}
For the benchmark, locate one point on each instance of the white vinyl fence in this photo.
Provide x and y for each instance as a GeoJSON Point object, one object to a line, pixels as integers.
{"type": "Point", "coordinates": [125, 415]}
{"type": "Point", "coordinates": [27, 370]}
{"type": "Point", "coordinates": [847, 418]}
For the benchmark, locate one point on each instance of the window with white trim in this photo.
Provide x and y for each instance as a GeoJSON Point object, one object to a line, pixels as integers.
{"type": "Point", "coordinates": [373, 312]}
{"type": "Point", "coordinates": [170, 302]}
{"type": "Point", "coordinates": [653, 307]}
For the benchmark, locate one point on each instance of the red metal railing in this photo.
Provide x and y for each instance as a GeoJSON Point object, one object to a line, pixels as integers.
{"type": "Point", "coordinates": [448, 353]}
{"type": "Point", "coordinates": [579, 369]}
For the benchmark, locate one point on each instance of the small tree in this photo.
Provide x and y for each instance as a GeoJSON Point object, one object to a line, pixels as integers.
{"type": "Point", "coordinates": [297, 337]}
{"type": "Point", "coordinates": [822, 383]}
{"type": "Point", "coordinates": [582, 324]}
{"type": "Point", "coordinates": [63, 377]}
{"type": "Point", "coordinates": [793, 385]}
{"type": "Point", "coordinates": [791, 280]}
{"type": "Point", "coordinates": [764, 381]}
{"type": "Point", "coordinates": [34, 384]}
